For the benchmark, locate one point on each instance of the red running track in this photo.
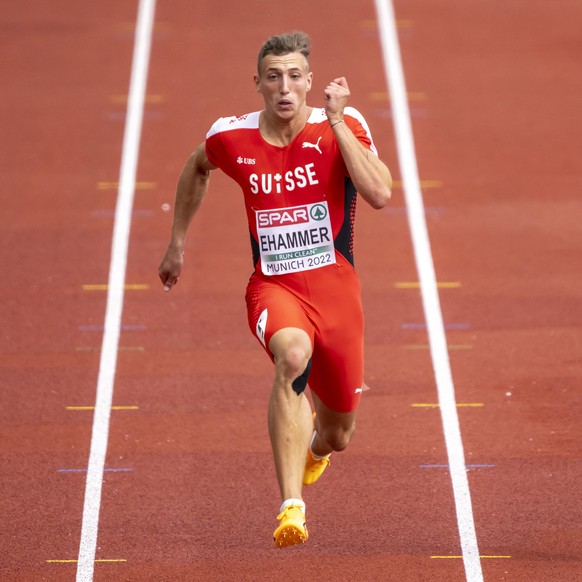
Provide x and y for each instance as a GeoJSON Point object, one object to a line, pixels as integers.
{"type": "Point", "coordinates": [189, 491]}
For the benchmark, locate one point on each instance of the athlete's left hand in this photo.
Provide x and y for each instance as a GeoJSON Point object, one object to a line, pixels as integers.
{"type": "Point", "coordinates": [336, 96]}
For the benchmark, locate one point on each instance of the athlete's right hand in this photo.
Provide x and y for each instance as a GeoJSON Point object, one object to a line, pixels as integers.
{"type": "Point", "coordinates": [171, 267]}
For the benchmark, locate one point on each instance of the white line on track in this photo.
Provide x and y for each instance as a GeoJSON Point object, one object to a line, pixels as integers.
{"type": "Point", "coordinates": [117, 268]}
{"type": "Point", "coordinates": [430, 298]}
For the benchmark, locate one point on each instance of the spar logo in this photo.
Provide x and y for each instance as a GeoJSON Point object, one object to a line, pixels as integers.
{"type": "Point", "coordinates": [318, 212]}
{"type": "Point", "coordinates": [288, 216]}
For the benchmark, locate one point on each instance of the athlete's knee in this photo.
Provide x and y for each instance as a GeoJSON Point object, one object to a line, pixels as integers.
{"type": "Point", "coordinates": [292, 362]}
{"type": "Point", "coordinates": [291, 351]}
{"type": "Point", "coordinates": [338, 437]}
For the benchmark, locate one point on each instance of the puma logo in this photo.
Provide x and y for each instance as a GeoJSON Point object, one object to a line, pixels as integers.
{"type": "Point", "coordinates": [306, 144]}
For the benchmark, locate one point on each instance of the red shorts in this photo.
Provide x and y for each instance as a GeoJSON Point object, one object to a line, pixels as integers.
{"type": "Point", "coordinates": [325, 303]}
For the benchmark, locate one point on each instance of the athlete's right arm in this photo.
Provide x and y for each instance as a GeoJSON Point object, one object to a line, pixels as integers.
{"type": "Point", "coordinates": [191, 189]}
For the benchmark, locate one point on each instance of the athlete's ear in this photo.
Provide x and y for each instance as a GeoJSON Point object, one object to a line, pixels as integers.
{"type": "Point", "coordinates": [257, 83]}
{"type": "Point", "coordinates": [309, 80]}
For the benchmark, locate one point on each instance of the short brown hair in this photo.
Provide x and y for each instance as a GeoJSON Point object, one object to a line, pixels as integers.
{"type": "Point", "coordinates": [282, 44]}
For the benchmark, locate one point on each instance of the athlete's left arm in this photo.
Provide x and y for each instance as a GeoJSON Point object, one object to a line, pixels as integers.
{"type": "Point", "coordinates": [369, 174]}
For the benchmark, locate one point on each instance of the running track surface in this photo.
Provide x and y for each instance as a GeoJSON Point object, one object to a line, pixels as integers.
{"type": "Point", "coordinates": [189, 490]}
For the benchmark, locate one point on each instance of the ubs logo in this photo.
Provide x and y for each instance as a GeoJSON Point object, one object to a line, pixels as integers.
{"type": "Point", "coordinates": [247, 161]}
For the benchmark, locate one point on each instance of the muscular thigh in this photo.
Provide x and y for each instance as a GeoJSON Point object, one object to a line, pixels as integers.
{"type": "Point", "coordinates": [271, 308]}
{"type": "Point", "coordinates": [331, 314]}
{"type": "Point", "coordinates": [337, 372]}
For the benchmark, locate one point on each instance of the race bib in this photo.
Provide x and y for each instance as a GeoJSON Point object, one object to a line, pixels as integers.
{"type": "Point", "coordinates": [298, 238]}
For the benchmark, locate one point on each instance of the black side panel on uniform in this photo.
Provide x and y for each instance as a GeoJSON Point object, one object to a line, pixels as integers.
{"type": "Point", "coordinates": [300, 383]}
{"type": "Point", "coordinates": [344, 242]}
{"type": "Point", "coordinates": [255, 249]}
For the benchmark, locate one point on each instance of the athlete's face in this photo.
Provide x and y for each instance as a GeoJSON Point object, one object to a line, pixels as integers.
{"type": "Point", "coordinates": [284, 83]}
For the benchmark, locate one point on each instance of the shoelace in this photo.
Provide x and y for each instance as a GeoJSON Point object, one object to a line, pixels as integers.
{"type": "Point", "coordinates": [315, 464]}
{"type": "Point", "coordinates": [289, 509]}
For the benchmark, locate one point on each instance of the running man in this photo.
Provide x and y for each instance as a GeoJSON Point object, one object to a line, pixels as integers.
{"type": "Point", "coordinates": [300, 169]}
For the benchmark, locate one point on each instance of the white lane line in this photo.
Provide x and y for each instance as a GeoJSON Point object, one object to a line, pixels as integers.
{"type": "Point", "coordinates": [430, 298]}
{"type": "Point", "coordinates": [117, 268]}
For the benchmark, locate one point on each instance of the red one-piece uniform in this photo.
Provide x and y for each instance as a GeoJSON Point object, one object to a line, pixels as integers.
{"type": "Point", "coordinates": [300, 204]}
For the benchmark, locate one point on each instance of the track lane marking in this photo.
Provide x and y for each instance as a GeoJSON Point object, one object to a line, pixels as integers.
{"type": "Point", "coordinates": [138, 185]}
{"type": "Point", "coordinates": [429, 293]}
{"type": "Point", "coordinates": [106, 287]}
{"type": "Point", "coordinates": [385, 96]}
{"type": "Point", "coordinates": [434, 210]}
{"type": "Point", "coordinates": [424, 184]}
{"type": "Point", "coordinates": [149, 99]}
{"type": "Point", "coordinates": [459, 405]}
{"type": "Point", "coordinates": [467, 467]}
{"type": "Point", "coordinates": [418, 285]}
{"type": "Point", "coordinates": [422, 326]}
{"type": "Point", "coordinates": [115, 291]}
{"type": "Point", "coordinates": [77, 408]}
{"type": "Point", "coordinates": [76, 561]}
{"type": "Point", "coordinates": [427, 346]}
{"type": "Point", "coordinates": [399, 23]}
{"type": "Point", "coordinates": [460, 557]}
{"type": "Point", "coordinates": [121, 349]}
{"type": "Point", "coordinates": [101, 327]}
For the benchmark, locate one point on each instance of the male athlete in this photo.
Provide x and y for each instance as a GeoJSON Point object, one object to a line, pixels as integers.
{"type": "Point", "coordinates": [300, 169]}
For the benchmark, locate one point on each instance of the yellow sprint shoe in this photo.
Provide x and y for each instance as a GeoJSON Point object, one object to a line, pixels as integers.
{"type": "Point", "coordinates": [314, 468]}
{"type": "Point", "coordinates": [292, 529]}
